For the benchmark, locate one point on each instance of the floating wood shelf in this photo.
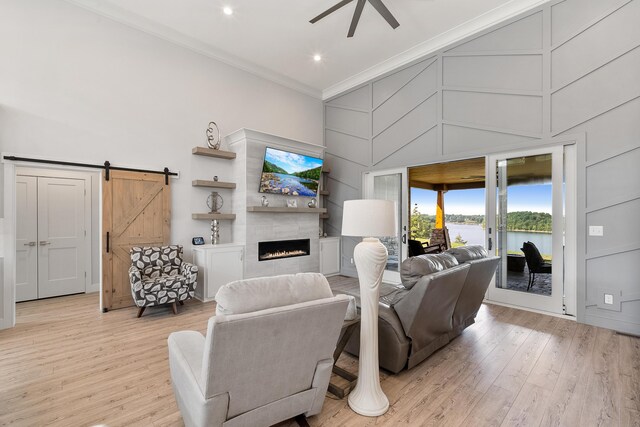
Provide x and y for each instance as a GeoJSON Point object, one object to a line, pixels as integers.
{"type": "Point", "coordinates": [285, 210]}
{"type": "Point", "coordinates": [324, 215]}
{"type": "Point", "coordinates": [212, 184]}
{"type": "Point", "coordinates": [210, 152]}
{"type": "Point", "coordinates": [327, 170]}
{"type": "Point", "coordinates": [324, 192]}
{"type": "Point", "coordinates": [212, 216]}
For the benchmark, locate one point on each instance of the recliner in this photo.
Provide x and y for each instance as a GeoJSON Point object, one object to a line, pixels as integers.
{"type": "Point", "coordinates": [267, 355]}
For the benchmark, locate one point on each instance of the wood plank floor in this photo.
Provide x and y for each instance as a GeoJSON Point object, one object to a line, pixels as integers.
{"type": "Point", "coordinates": [67, 364]}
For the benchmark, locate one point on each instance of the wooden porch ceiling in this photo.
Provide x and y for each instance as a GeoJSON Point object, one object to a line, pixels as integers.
{"type": "Point", "coordinates": [470, 173]}
{"type": "Point", "coordinates": [458, 175]}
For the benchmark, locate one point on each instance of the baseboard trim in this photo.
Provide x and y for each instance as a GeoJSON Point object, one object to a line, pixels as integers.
{"type": "Point", "coordinates": [533, 310]}
{"type": "Point", "coordinates": [94, 287]}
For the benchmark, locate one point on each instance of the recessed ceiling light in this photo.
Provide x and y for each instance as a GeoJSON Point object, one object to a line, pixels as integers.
{"type": "Point", "coordinates": [227, 10]}
{"type": "Point", "coordinates": [317, 58]}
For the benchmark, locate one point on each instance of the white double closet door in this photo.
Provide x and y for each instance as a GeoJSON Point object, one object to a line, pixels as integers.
{"type": "Point", "coordinates": [50, 237]}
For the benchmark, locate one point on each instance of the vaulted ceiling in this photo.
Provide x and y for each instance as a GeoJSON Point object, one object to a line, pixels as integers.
{"type": "Point", "coordinates": [273, 38]}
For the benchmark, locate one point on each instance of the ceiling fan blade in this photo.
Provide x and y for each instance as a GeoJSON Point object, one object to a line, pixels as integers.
{"type": "Point", "coordinates": [356, 18]}
{"type": "Point", "coordinates": [330, 10]}
{"type": "Point", "coordinates": [386, 14]}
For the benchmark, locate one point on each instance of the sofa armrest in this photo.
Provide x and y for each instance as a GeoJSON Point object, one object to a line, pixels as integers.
{"type": "Point", "coordinates": [320, 382]}
{"type": "Point", "coordinates": [427, 310]}
{"type": "Point", "coordinates": [135, 278]}
{"type": "Point", "coordinates": [190, 272]}
{"type": "Point", "coordinates": [185, 361]}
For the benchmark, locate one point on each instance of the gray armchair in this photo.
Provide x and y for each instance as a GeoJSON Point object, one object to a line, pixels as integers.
{"type": "Point", "coordinates": [267, 356]}
{"type": "Point", "coordinates": [158, 275]}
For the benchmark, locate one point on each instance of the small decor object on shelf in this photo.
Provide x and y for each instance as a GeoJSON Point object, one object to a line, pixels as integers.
{"type": "Point", "coordinates": [313, 203]}
{"type": "Point", "coordinates": [215, 178]}
{"type": "Point", "coordinates": [264, 201]}
{"type": "Point", "coordinates": [215, 232]}
{"type": "Point", "coordinates": [213, 136]}
{"type": "Point", "coordinates": [197, 241]}
{"type": "Point", "coordinates": [292, 203]}
{"type": "Point", "coordinates": [214, 203]}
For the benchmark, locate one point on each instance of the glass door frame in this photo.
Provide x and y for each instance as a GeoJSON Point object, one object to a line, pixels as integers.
{"type": "Point", "coordinates": [403, 221]}
{"type": "Point", "coordinates": [553, 303]}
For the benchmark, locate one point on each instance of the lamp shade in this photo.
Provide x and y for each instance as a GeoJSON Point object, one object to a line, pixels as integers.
{"type": "Point", "coordinates": [369, 218]}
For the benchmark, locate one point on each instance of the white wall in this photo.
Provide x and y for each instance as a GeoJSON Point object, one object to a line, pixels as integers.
{"type": "Point", "coordinates": [80, 87]}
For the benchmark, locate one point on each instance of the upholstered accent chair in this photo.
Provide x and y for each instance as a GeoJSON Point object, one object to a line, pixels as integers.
{"type": "Point", "coordinates": [158, 276]}
{"type": "Point", "coordinates": [267, 355]}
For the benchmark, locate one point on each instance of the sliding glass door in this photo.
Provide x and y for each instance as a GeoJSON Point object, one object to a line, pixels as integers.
{"type": "Point", "coordinates": [525, 228]}
{"type": "Point", "coordinates": [391, 185]}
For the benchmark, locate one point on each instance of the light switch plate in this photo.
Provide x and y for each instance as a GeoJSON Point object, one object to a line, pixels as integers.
{"type": "Point", "coordinates": [608, 299]}
{"type": "Point", "coordinates": [596, 230]}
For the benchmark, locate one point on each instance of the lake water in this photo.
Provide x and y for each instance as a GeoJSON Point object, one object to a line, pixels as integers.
{"type": "Point", "coordinates": [277, 182]}
{"type": "Point", "coordinates": [474, 235]}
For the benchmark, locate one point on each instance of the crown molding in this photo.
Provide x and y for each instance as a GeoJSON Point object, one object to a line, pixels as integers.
{"type": "Point", "coordinates": [431, 46]}
{"type": "Point", "coordinates": [155, 29]}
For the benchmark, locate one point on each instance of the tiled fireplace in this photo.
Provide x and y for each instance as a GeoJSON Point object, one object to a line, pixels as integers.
{"type": "Point", "coordinates": [275, 242]}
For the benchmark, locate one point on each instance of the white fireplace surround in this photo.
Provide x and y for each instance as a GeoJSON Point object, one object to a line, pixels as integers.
{"type": "Point", "coordinates": [253, 227]}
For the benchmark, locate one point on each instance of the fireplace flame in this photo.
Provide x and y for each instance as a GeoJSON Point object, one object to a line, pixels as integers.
{"type": "Point", "coordinates": [282, 254]}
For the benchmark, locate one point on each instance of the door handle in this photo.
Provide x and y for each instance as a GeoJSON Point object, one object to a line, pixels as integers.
{"type": "Point", "coordinates": [490, 244]}
{"type": "Point", "coordinates": [44, 243]}
{"type": "Point", "coordinates": [107, 242]}
{"type": "Point", "coordinates": [404, 238]}
{"type": "Point", "coordinates": [30, 244]}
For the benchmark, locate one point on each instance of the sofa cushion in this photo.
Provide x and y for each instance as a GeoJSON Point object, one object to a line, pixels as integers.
{"type": "Point", "coordinates": [246, 296]}
{"type": "Point", "coordinates": [468, 253]}
{"type": "Point", "coordinates": [446, 259]}
{"type": "Point", "coordinates": [176, 281]}
{"type": "Point", "coordinates": [414, 268]}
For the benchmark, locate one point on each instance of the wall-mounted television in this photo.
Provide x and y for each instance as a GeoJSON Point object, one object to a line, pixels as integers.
{"type": "Point", "coordinates": [290, 174]}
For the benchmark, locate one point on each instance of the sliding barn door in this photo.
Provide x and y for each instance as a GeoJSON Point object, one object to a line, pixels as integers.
{"type": "Point", "coordinates": [136, 212]}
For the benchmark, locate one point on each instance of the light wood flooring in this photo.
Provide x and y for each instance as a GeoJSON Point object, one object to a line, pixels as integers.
{"type": "Point", "coordinates": [67, 364]}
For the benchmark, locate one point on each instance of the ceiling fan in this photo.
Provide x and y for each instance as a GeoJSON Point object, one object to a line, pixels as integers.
{"type": "Point", "coordinates": [377, 4]}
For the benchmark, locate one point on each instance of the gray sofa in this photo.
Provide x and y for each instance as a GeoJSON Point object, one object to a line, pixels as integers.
{"type": "Point", "coordinates": [438, 298]}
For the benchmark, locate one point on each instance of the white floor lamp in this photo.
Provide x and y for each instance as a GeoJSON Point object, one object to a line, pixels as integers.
{"type": "Point", "coordinates": [366, 218]}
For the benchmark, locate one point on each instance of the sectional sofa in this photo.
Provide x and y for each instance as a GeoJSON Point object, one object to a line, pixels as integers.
{"type": "Point", "coordinates": [439, 297]}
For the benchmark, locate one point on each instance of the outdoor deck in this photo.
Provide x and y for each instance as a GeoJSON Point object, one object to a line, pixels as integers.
{"type": "Point", "coordinates": [518, 282]}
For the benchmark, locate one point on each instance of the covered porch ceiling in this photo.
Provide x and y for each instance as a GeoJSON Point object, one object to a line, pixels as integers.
{"type": "Point", "coordinates": [458, 175]}
{"type": "Point", "coordinates": [470, 173]}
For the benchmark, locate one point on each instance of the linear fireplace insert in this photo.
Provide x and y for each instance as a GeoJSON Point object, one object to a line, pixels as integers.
{"type": "Point", "coordinates": [279, 249]}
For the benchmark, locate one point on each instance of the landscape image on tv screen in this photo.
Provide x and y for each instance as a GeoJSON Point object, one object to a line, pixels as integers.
{"type": "Point", "coordinates": [290, 173]}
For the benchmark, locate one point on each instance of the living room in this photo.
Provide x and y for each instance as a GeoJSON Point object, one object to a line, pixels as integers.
{"type": "Point", "coordinates": [194, 95]}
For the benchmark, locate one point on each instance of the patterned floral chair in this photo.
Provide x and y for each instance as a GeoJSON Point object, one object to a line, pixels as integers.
{"type": "Point", "coordinates": [159, 276]}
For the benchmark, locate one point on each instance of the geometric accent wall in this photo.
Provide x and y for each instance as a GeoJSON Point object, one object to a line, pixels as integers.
{"type": "Point", "coordinates": [567, 67]}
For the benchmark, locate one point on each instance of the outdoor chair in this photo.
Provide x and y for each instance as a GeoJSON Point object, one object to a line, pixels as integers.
{"type": "Point", "coordinates": [535, 262]}
{"type": "Point", "coordinates": [418, 248]}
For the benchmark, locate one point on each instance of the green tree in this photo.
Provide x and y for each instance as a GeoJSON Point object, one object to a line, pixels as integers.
{"type": "Point", "coordinates": [458, 241]}
{"type": "Point", "coordinates": [421, 225]}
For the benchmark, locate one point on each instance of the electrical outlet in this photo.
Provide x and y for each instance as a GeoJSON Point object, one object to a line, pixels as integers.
{"type": "Point", "coordinates": [596, 230]}
{"type": "Point", "coordinates": [608, 299]}
{"type": "Point", "coordinates": [351, 260]}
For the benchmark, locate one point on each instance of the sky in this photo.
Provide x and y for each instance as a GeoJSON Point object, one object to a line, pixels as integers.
{"type": "Point", "coordinates": [534, 198]}
{"type": "Point", "coordinates": [291, 162]}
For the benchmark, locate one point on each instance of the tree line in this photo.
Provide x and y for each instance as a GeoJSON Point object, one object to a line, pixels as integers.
{"type": "Point", "coordinates": [422, 224]}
